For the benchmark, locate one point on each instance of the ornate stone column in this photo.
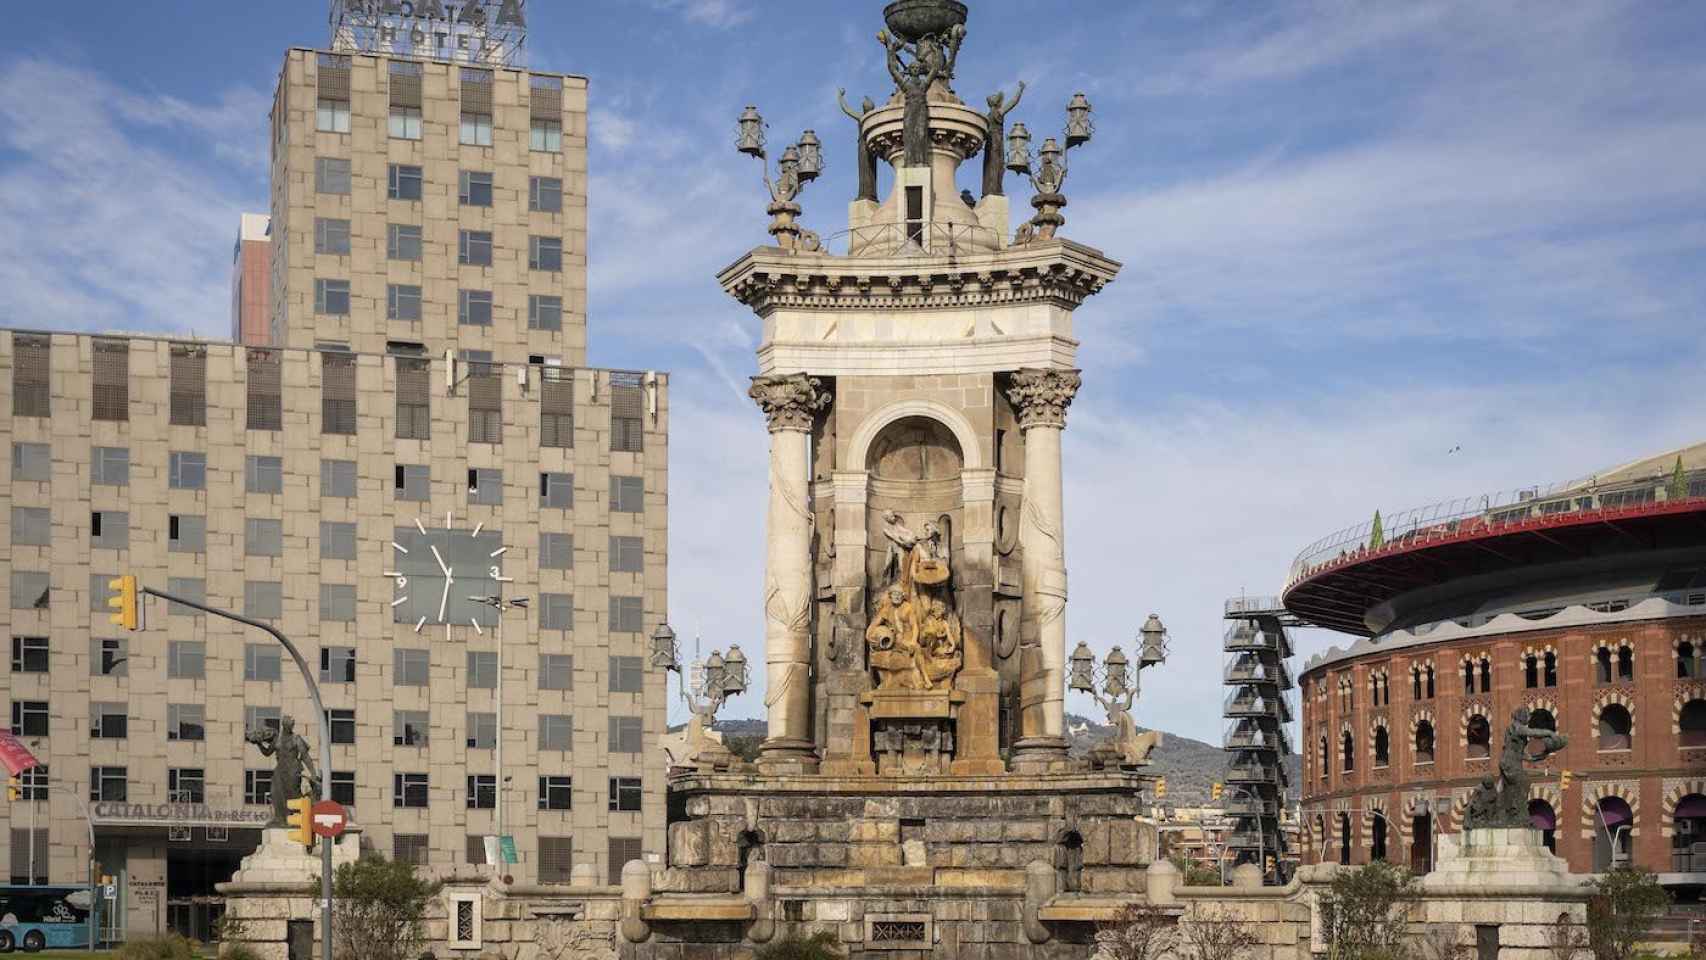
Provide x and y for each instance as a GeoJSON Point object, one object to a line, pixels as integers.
{"type": "Point", "coordinates": [791, 403]}
{"type": "Point", "coordinates": [1041, 397]}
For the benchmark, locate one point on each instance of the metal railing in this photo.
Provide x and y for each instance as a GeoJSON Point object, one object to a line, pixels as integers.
{"type": "Point", "coordinates": [1254, 605]}
{"type": "Point", "coordinates": [933, 239]}
{"type": "Point", "coordinates": [1255, 739]}
{"type": "Point", "coordinates": [1252, 773]}
{"type": "Point", "coordinates": [1257, 672]}
{"type": "Point", "coordinates": [1246, 807]}
{"type": "Point", "coordinates": [1486, 514]}
{"type": "Point", "coordinates": [1244, 637]}
{"type": "Point", "coordinates": [1248, 706]}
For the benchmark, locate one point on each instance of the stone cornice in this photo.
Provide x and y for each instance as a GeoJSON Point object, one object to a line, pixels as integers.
{"type": "Point", "coordinates": [1059, 272]}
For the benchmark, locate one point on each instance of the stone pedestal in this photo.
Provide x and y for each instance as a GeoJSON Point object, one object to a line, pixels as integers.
{"type": "Point", "coordinates": [1501, 885]}
{"type": "Point", "coordinates": [276, 887]}
{"type": "Point", "coordinates": [994, 214]}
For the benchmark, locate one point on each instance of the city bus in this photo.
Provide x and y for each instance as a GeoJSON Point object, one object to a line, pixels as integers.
{"type": "Point", "coordinates": [40, 918]}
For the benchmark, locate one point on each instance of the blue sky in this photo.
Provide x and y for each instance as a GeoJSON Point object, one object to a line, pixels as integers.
{"type": "Point", "coordinates": [1355, 236]}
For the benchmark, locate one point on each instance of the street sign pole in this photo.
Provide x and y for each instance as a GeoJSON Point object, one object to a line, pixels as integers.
{"type": "Point", "coordinates": [325, 746]}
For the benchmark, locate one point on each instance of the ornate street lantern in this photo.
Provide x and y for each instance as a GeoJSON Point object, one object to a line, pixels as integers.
{"type": "Point", "coordinates": [1154, 636]}
{"type": "Point", "coordinates": [811, 156]}
{"type": "Point", "coordinates": [1019, 149]}
{"type": "Point", "coordinates": [664, 654]}
{"type": "Point", "coordinates": [714, 674]}
{"type": "Point", "coordinates": [1117, 669]}
{"type": "Point", "coordinates": [734, 672]}
{"type": "Point", "coordinates": [1081, 670]}
{"type": "Point", "coordinates": [790, 162]}
{"type": "Point", "coordinates": [1079, 129]}
{"type": "Point", "coordinates": [751, 140]}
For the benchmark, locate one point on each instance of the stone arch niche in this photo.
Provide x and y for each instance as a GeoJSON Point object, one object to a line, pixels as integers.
{"type": "Point", "coordinates": [915, 465]}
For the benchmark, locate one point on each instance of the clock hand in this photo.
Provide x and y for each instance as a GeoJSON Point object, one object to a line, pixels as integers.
{"type": "Point", "coordinates": [440, 559]}
{"type": "Point", "coordinates": [444, 598]}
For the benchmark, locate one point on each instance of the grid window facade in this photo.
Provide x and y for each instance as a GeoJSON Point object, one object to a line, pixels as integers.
{"type": "Point", "coordinates": [557, 490]}
{"type": "Point", "coordinates": [331, 297]}
{"type": "Point", "coordinates": [474, 248]}
{"type": "Point", "coordinates": [190, 588]}
{"type": "Point", "coordinates": [409, 790]}
{"type": "Point", "coordinates": [627, 494]}
{"type": "Point", "coordinates": [546, 136]}
{"type": "Point", "coordinates": [254, 718]}
{"type": "Point", "coordinates": [556, 551]}
{"type": "Point", "coordinates": [32, 462]}
{"type": "Point", "coordinates": [413, 482]}
{"type": "Point", "coordinates": [342, 723]}
{"type": "Point", "coordinates": [331, 236]}
{"type": "Point", "coordinates": [556, 671]}
{"type": "Point", "coordinates": [556, 731]}
{"type": "Point", "coordinates": [405, 123]}
{"type": "Point", "coordinates": [186, 660]}
{"type": "Point", "coordinates": [403, 302]}
{"type": "Point", "coordinates": [556, 859]}
{"type": "Point", "coordinates": [109, 466]}
{"type": "Point", "coordinates": [482, 795]}
{"type": "Point", "coordinates": [31, 363]}
{"type": "Point", "coordinates": [485, 403]}
{"type": "Point", "coordinates": [626, 735]}
{"type": "Point", "coordinates": [411, 728]}
{"type": "Point", "coordinates": [337, 602]}
{"type": "Point", "coordinates": [109, 784]}
{"type": "Point", "coordinates": [109, 721]}
{"type": "Point", "coordinates": [545, 254]}
{"type": "Point", "coordinates": [485, 486]}
{"type": "Point", "coordinates": [263, 475]}
{"type": "Point", "coordinates": [337, 540]}
{"type": "Point", "coordinates": [626, 794]}
{"type": "Point", "coordinates": [109, 529]}
{"type": "Point", "coordinates": [30, 654]}
{"type": "Point", "coordinates": [186, 785]}
{"type": "Point", "coordinates": [343, 787]}
{"type": "Point", "coordinates": [474, 188]}
{"type": "Point", "coordinates": [405, 182]}
{"type": "Point", "coordinates": [332, 176]}
{"type": "Point", "coordinates": [263, 538]}
{"type": "Point", "coordinates": [482, 670]}
{"type": "Point", "coordinates": [331, 116]}
{"type": "Point", "coordinates": [626, 614]}
{"type": "Point", "coordinates": [627, 554]}
{"type": "Point", "coordinates": [189, 385]}
{"type": "Point", "coordinates": [337, 664]}
{"type": "Point", "coordinates": [410, 848]}
{"type": "Point", "coordinates": [32, 527]}
{"type": "Point", "coordinates": [556, 793]}
{"type": "Point", "coordinates": [403, 241]}
{"type": "Point", "coordinates": [482, 731]}
{"type": "Point", "coordinates": [544, 312]}
{"type": "Point", "coordinates": [265, 388]}
{"type": "Point", "coordinates": [263, 599]}
{"type": "Point", "coordinates": [112, 380]}
{"type": "Point", "coordinates": [545, 194]}
{"type": "Point", "coordinates": [29, 718]}
{"type": "Point", "coordinates": [108, 657]}
{"type": "Point", "coordinates": [414, 404]}
{"type": "Point", "coordinates": [257, 787]}
{"type": "Point", "coordinates": [476, 129]}
{"type": "Point", "coordinates": [261, 663]}
{"type": "Point", "coordinates": [187, 470]}
{"type": "Point", "coordinates": [627, 674]}
{"type": "Point", "coordinates": [31, 590]}
{"type": "Point", "coordinates": [186, 722]}
{"type": "Point", "coordinates": [338, 479]}
{"type": "Point", "coordinates": [556, 405]}
{"type": "Point", "coordinates": [474, 308]}
{"type": "Point", "coordinates": [556, 611]}
{"type": "Point", "coordinates": [413, 667]}
{"type": "Point", "coordinates": [627, 416]}
{"type": "Point", "coordinates": [623, 850]}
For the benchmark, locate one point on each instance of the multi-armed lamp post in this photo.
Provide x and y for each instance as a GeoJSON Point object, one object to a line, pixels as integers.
{"type": "Point", "coordinates": [723, 676]}
{"type": "Point", "coordinates": [801, 163]}
{"type": "Point", "coordinates": [1120, 684]}
{"type": "Point", "coordinates": [1048, 173]}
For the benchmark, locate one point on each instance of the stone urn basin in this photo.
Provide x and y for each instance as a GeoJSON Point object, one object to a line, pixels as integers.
{"type": "Point", "coordinates": [912, 19]}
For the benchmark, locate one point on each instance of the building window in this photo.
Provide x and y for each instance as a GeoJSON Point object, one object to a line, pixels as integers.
{"type": "Point", "coordinates": [186, 660]}
{"type": "Point", "coordinates": [189, 385]}
{"type": "Point", "coordinates": [409, 790]}
{"type": "Point", "coordinates": [332, 116]}
{"type": "Point", "coordinates": [254, 718]}
{"type": "Point", "coordinates": [342, 723]}
{"type": "Point", "coordinates": [627, 674]}
{"type": "Point", "coordinates": [556, 611]}
{"type": "Point", "coordinates": [627, 410]}
{"type": "Point", "coordinates": [263, 538]}
{"type": "Point", "coordinates": [405, 182]}
{"type": "Point", "coordinates": [627, 555]}
{"type": "Point", "coordinates": [474, 308]}
{"type": "Point", "coordinates": [482, 670]}
{"type": "Point", "coordinates": [1531, 671]}
{"type": "Point", "coordinates": [410, 848]}
{"type": "Point", "coordinates": [625, 794]}
{"type": "Point", "coordinates": [1480, 738]}
{"type": "Point", "coordinates": [1616, 727]}
{"type": "Point", "coordinates": [109, 784]}
{"type": "Point", "coordinates": [545, 253]}
{"type": "Point", "coordinates": [410, 728]}
{"type": "Point", "coordinates": [263, 599]}
{"type": "Point", "coordinates": [331, 297]}
{"type": "Point", "coordinates": [556, 671]}
{"type": "Point", "coordinates": [186, 722]}
{"type": "Point", "coordinates": [627, 494]}
{"type": "Point", "coordinates": [109, 529]}
{"type": "Point", "coordinates": [337, 603]}
{"type": "Point", "coordinates": [482, 791]}
{"type": "Point", "coordinates": [1625, 664]}
{"type": "Point", "coordinates": [29, 856]}
{"type": "Point", "coordinates": [187, 470]}
{"type": "Point", "coordinates": [547, 136]}
{"type": "Point", "coordinates": [622, 851]}
{"type": "Point", "coordinates": [108, 657]}
{"type": "Point", "coordinates": [412, 482]}
{"type": "Point", "coordinates": [405, 124]}
{"type": "Point", "coordinates": [474, 188]}
{"type": "Point", "coordinates": [485, 403]}
{"type": "Point", "coordinates": [545, 195]}
{"type": "Point", "coordinates": [30, 654]}
{"type": "Point", "coordinates": [332, 175]}
{"type": "Point", "coordinates": [32, 462]}
{"type": "Point", "coordinates": [190, 588]}
{"type": "Point", "coordinates": [556, 732]}
{"type": "Point", "coordinates": [474, 248]}
{"type": "Point", "coordinates": [1602, 663]}
{"type": "Point", "coordinates": [29, 718]}
{"type": "Point", "coordinates": [476, 130]}
{"type": "Point", "coordinates": [1424, 742]}
{"type": "Point", "coordinates": [338, 479]}
{"type": "Point", "coordinates": [403, 302]}
{"type": "Point", "coordinates": [556, 793]}
{"type": "Point", "coordinates": [1382, 747]}
{"type": "Point", "coordinates": [31, 365]}
{"type": "Point", "coordinates": [34, 784]}
{"type": "Point", "coordinates": [266, 397]}
{"type": "Point", "coordinates": [109, 466]}
{"type": "Point", "coordinates": [485, 486]}
{"type": "Point", "coordinates": [112, 380]}
{"type": "Point", "coordinates": [403, 242]}
{"type": "Point", "coordinates": [557, 490]}
{"type": "Point", "coordinates": [257, 787]}
{"type": "Point", "coordinates": [414, 405]}
{"type": "Point", "coordinates": [337, 664]}
{"type": "Point", "coordinates": [1688, 661]}
{"type": "Point", "coordinates": [1486, 675]}
{"type": "Point", "coordinates": [556, 409]}
{"type": "Point", "coordinates": [33, 526]}
{"type": "Point", "coordinates": [186, 533]}
{"type": "Point", "coordinates": [343, 787]}
{"type": "Point", "coordinates": [556, 858]}
{"type": "Point", "coordinates": [262, 663]}
{"type": "Point", "coordinates": [1348, 752]}
{"type": "Point", "coordinates": [337, 540]}
{"type": "Point", "coordinates": [30, 590]}
{"type": "Point", "coordinates": [1549, 673]}
{"type": "Point", "coordinates": [556, 551]}
{"type": "Point", "coordinates": [186, 785]}
{"type": "Point", "coordinates": [331, 236]}
{"type": "Point", "coordinates": [546, 313]}
{"type": "Point", "coordinates": [626, 735]}
{"type": "Point", "coordinates": [626, 614]}
{"type": "Point", "coordinates": [482, 731]}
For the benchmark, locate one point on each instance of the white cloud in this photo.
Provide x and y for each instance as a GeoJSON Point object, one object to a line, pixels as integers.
{"type": "Point", "coordinates": [721, 14]}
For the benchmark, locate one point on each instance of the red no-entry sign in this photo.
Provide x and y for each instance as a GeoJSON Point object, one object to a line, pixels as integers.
{"type": "Point", "coordinates": [328, 819]}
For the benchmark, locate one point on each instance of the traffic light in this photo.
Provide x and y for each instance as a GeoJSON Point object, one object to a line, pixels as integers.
{"type": "Point", "coordinates": [1215, 791]}
{"type": "Point", "coordinates": [301, 821]}
{"type": "Point", "coordinates": [123, 602]}
{"type": "Point", "coordinates": [14, 789]}
{"type": "Point", "coordinates": [1161, 788]}
{"type": "Point", "coordinates": [1564, 780]}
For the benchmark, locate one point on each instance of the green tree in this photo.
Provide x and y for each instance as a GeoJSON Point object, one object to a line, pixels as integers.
{"type": "Point", "coordinates": [1376, 536]}
{"type": "Point", "coordinates": [1370, 911]}
{"type": "Point", "coordinates": [1622, 911]}
{"type": "Point", "coordinates": [379, 906]}
{"type": "Point", "coordinates": [1677, 489]}
{"type": "Point", "coordinates": [819, 946]}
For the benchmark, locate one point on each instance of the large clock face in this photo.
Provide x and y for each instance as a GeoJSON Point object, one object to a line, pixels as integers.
{"type": "Point", "coordinates": [438, 572]}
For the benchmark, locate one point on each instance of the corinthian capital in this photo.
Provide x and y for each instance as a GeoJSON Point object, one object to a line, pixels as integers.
{"type": "Point", "coordinates": [790, 400]}
{"type": "Point", "coordinates": [1042, 396]}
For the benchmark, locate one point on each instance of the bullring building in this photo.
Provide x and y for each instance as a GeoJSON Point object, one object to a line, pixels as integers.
{"type": "Point", "coordinates": [415, 426]}
{"type": "Point", "coordinates": [1583, 603]}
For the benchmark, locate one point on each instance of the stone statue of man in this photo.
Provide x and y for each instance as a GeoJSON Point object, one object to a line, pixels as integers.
{"type": "Point", "coordinates": [995, 140]}
{"type": "Point", "coordinates": [867, 157]}
{"type": "Point", "coordinates": [914, 81]}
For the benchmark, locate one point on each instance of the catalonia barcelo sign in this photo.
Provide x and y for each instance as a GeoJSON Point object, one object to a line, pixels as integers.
{"type": "Point", "coordinates": [177, 815]}
{"type": "Point", "coordinates": [471, 13]}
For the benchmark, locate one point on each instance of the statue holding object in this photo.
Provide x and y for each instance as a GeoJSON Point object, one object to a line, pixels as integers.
{"type": "Point", "coordinates": [1504, 802]}
{"type": "Point", "coordinates": [293, 773]}
{"type": "Point", "coordinates": [915, 639]}
{"type": "Point", "coordinates": [931, 61]}
{"type": "Point", "coordinates": [867, 158]}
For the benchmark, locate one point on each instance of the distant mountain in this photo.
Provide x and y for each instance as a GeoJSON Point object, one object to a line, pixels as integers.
{"type": "Point", "coordinates": [1190, 766]}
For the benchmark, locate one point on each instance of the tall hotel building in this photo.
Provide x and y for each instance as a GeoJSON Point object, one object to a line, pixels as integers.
{"type": "Point", "coordinates": [419, 404]}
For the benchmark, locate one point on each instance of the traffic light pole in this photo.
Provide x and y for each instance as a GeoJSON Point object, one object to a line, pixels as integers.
{"type": "Point", "coordinates": [325, 746]}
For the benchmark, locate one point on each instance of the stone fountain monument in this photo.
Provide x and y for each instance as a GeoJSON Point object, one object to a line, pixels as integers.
{"type": "Point", "coordinates": [915, 791]}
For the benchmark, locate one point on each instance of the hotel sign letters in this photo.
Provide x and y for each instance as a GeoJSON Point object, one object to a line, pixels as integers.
{"type": "Point", "coordinates": [477, 30]}
{"type": "Point", "coordinates": [177, 815]}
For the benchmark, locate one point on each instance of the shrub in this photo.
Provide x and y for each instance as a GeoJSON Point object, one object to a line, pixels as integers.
{"type": "Point", "coordinates": [1217, 935]}
{"type": "Point", "coordinates": [1139, 932]}
{"type": "Point", "coordinates": [379, 904]}
{"type": "Point", "coordinates": [1622, 911]}
{"type": "Point", "coordinates": [168, 947]}
{"type": "Point", "coordinates": [238, 951]}
{"type": "Point", "coordinates": [1371, 911]}
{"type": "Point", "coordinates": [819, 946]}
